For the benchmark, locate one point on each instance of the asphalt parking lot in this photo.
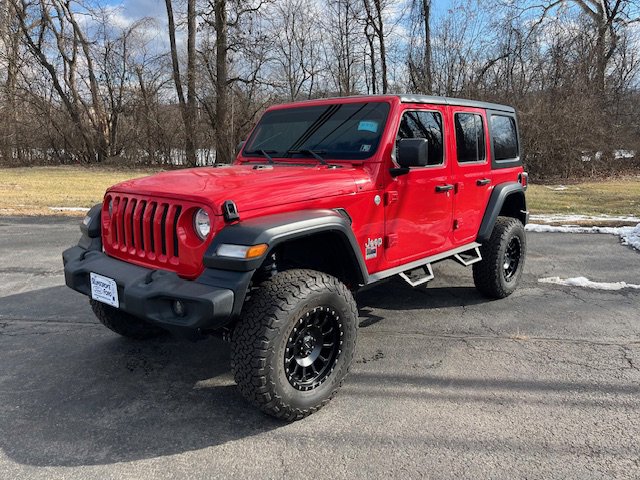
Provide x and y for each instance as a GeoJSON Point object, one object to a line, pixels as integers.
{"type": "Point", "coordinates": [446, 384]}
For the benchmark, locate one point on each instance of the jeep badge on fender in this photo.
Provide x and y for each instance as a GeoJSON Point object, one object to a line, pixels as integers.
{"type": "Point", "coordinates": [325, 197]}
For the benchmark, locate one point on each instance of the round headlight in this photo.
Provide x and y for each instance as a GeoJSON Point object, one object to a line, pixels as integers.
{"type": "Point", "coordinates": [202, 224]}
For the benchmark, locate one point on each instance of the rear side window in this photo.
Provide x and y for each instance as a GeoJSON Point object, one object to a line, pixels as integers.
{"type": "Point", "coordinates": [424, 125]}
{"type": "Point", "coordinates": [470, 143]}
{"type": "Point", "coordinates": [505, 137]}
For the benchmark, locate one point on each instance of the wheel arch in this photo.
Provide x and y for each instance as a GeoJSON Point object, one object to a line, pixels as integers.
{"type": "Point", "coordinates": [310, 239]}
{"type": "Point", "coordinates": [508, 200]}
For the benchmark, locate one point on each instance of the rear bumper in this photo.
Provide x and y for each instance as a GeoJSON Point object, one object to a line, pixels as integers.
{"type": "Point", "coordinates": [150, 294]}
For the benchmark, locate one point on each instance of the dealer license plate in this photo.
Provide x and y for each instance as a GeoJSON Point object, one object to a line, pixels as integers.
{"type": "Point", "coordinates": [104, 289]}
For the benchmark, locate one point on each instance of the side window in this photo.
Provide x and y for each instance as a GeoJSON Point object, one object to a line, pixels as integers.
{"type": "Point", "coordinates": [424, 125]}
{"type": "Point", "coordinates": [470, 137]}
{"type": "Point", "coordinates": [505, 137]}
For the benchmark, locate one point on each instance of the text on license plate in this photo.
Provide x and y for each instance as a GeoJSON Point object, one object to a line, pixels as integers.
{"type": "Point", "coordinates": [104, 289]}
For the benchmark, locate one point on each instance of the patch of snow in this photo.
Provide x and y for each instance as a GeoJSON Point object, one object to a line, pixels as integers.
{"type": "Point", "coordinates": [568, 219]}
{"type": "Point", "coordinates": [629, 235]}
{"type": "Point", "coordinates": [540, 228]}
{"type": "Point", "coordinates": [556, 188]}
{"type": "Point", "coordinates": [620, 154]}
{"type": "Point", "coordinates": [69, 209]}
{"type": "Point", "coordinates": [586, 283]}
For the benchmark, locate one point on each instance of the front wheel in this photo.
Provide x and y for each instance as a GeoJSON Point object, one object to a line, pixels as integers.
{"type": "Point", "coordinates": [294, 344]}
{"type": "Point", "coordinates": [498, 273]}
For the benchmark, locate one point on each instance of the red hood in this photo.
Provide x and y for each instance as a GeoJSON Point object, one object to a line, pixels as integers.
{"type": "Point", "coordinates": [248, 187]}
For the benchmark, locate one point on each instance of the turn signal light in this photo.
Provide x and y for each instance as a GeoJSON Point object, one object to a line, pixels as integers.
{"type": "Point", "coordinates": [256, 250]}
{"type": "Point", "coordinates": [242, 251]}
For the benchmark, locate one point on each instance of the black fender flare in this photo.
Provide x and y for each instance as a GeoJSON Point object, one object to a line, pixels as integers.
{"type": "Point", "coordinates": [279, 228]}
{"type": "Point", "coordinates": [498, 198]}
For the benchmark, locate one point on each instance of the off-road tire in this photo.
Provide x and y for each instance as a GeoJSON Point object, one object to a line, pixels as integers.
{"type": "Point", "coordinates": [123, 323]}
{"type": "Point", "coordinates": [489, 274]}
{"type": "Point", "coordinates": [266, 327]}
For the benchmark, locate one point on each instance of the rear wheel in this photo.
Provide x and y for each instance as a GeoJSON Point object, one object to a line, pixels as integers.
{"type": "Point", "coordinates": [123, 323]}
{"type": "Point", "coordinates": [294, 344]}
{"type": "Point", "coordinates": [498, 274]}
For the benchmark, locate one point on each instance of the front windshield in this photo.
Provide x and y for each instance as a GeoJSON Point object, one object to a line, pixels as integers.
{"type": "Point", "coordinates": [349, 131]}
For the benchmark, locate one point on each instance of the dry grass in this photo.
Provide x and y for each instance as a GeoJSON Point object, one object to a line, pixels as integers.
{"type": "Point", "coordinates": [610, 197]}
{"type": "Point", "coordinates": [33, 191]}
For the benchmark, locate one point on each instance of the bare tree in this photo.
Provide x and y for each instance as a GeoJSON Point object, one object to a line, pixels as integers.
{"type": "Point", "coordinates": [420, 68]}
{"type": "Point", "coordinates": [235, 37]}
{"type": "Point", "coordinates": [296, 47]}
{"type": "Point", "coordinates": [607, 19]}
{"type": "Point", "coordinates": [344, 45]}
{"type": "Point", "coordinates": [374, 19]}
{"type": "Point", "coordinates": [45, 25]}
{"type": "Point", "coordinates": [10, 61]}
{"type": "Point", "coordinates": [188, 104]}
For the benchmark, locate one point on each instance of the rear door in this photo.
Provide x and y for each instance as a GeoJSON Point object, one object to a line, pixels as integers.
{"type": "Point", "coordinates": [418, 210]}
{"type": "Point", "coordinates": [471, 172]}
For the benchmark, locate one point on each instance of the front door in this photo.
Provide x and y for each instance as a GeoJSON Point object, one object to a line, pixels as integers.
{"type": "Point", "coordinates": [419, 204]}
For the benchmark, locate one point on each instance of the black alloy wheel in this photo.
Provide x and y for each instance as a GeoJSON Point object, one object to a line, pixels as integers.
{"type": "Point", "coordinates": [512, 258]}
{"type": "Point", "coordinates": [313, 348]}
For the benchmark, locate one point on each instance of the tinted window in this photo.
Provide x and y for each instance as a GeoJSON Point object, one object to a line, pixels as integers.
{"type": "Point", "coordinates": [470, 137]}
{"type": "Point", "coordinates": [424, 125]}
{"type": "Point", "coordinates": [349, 131]}
{"type": "Point", "coordinates": [505, 137]}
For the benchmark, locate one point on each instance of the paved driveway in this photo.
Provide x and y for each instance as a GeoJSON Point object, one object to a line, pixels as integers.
{"type": "Point", "coordinates": [446, 384]}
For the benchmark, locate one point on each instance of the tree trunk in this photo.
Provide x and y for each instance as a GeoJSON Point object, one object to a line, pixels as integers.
{"type": "Point", "coordinates": [428, 76]}
{"type": "Point", "coordinates": [383, 49]}
{"type": "Point", "coordinates": [10, 116]}
{"type": "Point", "coordinates": [601, 61]}
{"type": "Point", "coordinates": [185, 109]}
{"type": "Point", "coordinates": [372, 58]}
{"type": "Point", "coordinates": [190, 144]}
{"type": "Point", "coordinates": [224, 153]}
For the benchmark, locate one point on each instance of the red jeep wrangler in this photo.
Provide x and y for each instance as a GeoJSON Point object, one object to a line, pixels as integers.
{"type": "Point", "coordinates": [325, 197]}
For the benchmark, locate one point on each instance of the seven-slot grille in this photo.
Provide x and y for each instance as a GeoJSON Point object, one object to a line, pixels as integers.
{"type": "Point", "coordinates": [145, 228]}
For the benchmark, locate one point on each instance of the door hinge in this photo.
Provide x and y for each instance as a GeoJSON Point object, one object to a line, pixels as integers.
{"type": "Point", "coordinates": [390, 240]}
{"type": "Point", "coordinates": [390, 197]}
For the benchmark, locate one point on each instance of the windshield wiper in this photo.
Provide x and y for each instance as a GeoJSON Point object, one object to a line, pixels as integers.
{"type": "Point", "coordinates": [264, 153]}
{"type": "Point", "coordinates": [313, 153]}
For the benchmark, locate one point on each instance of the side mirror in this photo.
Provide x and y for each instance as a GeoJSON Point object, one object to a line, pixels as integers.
{"type": "Point", "coordinates": [413, 152]}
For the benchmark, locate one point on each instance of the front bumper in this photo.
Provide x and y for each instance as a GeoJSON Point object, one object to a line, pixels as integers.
{"type": "Point", "coordinates": [150, 294]}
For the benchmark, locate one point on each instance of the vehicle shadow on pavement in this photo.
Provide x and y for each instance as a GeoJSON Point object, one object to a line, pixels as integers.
{"type": "Point", "coordinates": [76, 394]}
{"type": "Point", "coordinates": [396, 294]}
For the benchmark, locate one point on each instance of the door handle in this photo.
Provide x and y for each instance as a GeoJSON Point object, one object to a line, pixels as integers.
{"type": "Point", "coordinates": [443, 188]}
{"type": "Point", "coordinates": [483, 181]}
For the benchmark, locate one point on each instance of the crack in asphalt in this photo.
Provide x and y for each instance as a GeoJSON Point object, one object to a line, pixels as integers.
{"type": "Point", "coordinates": [626, 356]}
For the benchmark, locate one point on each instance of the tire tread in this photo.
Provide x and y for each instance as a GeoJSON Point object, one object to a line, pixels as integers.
{"type": "Point", "coordinates": [487, 273]}
{"type": "Point", "coordinates": [266, 312]}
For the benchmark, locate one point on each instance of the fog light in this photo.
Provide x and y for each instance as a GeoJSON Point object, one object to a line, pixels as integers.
{"type": "Point", "coordinates": [178, 308]}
